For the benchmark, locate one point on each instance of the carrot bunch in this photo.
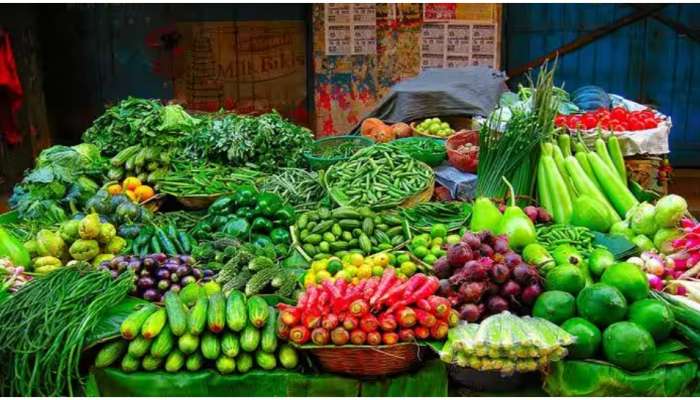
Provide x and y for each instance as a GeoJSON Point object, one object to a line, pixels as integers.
{"type": "Point", "coordinates": [377, 310]}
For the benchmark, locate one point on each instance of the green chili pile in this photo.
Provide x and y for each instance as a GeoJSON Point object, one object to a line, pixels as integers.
{"type": "Point", "coordinates": [423, 216]}
{"type": "Point", "coordinates": [379, 176]}
{"type": "Point", "coordinates": [551, 236]}
{"type": "Point", "coordinates": [45, 325]}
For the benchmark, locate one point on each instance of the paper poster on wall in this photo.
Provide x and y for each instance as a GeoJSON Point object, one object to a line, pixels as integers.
{"type": "Point", "coordinates": [246, 67]}
{"type": "Point", "coordinates": [458, 43]}
{"type": "Point", "coordinates": [350, 29]}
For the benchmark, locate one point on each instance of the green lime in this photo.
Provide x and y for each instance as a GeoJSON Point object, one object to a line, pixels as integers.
{"type": "Point", "coordinates": [599, 261]}
{"type": "Point", "coordinates": [402, 258]}
{"type": "Point", "coordinates": [420, 241]}
{"type": "Point", "coordinates": [654, 316]}
{"type": "Point", "coordinates": [392, 259]}
{"type": "Point", "coordinates": [555, 306]}
{"type": "Point", "coordinates": [453, 239]}
{"type": "Point", "coordinates": [628, 279]}
{"type": "Point", "coordinates": [334, 266]}
{"type": "Point", "coordinates": [408, 268]}
{"type": "Point", "coordinates": [430, 259]}
{"type": "Point", "coordinates": [601, 304]}
{"type": "Point", "coordinates": [438, 241]}
{"type": "Point", "coordinates": [628, 345]}
{"type": "Point", "coordinates": [351, 271]}
{"type": "Point", "coordinates": [437, 251]}
{"type": "Point", "coordinates": [341, 275]}
{"type": "Point", "coordinates": [377, 270]}
{"type": "Point", "coordinates": [322, 275]}
{"type": "Point", "coordinates": [587, 335]}
{"type": "Point", "coordinates": [565, 277]}
{"type": "Point", "coordinates": [420, 251]}
{"type": "Point", "coordinates": [438, 231]}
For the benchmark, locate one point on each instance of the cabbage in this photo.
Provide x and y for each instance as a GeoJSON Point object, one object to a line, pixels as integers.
{"type": "Point", "coordinates": [175, 119]}
{"type": "Point", "coordinates": [642, 219]}
{"type": "Point", "coordinates": [670, 210]}
{"type": "Point", "coordinates": [664, 237]}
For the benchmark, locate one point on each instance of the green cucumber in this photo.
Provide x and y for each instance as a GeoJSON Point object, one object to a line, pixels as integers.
{"type": "Point", "coordinates": [268, 341]}
{"type": "Point", "coordinates": [139, 346]}
{"type": "Point", "coordinates": [194, 362]}
{"type": "Point", "coordinates": [244, 362]}
{"type": "Point", "coordinates": [216, 313]}
{"type": "Point", "coordinates": [230, 345]}
{"type": "Point", "coordinates": [150, 363]}
{"type": "Point", "coordinates": [236, 311]}
{"type": "Point", "coordinates": [210, 346]}
{"type": "Point", "coordinates": [154, 324]}
{"type": "Point", "coordinates": [250, 338]}
{"type": "Point", "coordinates": [130, 363]}
{"type": "Point", "coordinates": [110, 353]}
{"type": "Point", "coordinates": [189, 294]}
{"type": "Point", "coordinates": [163, 343]}
{"type": "Point", "coordinates": [132, 324]}
{"type": "Point", "coordinates": [288, 356]}
{"type": "Point", "coordinates": [198, 315]}
{"type": "Point", "coordinates": [266, 361]}
{"type": "Point", "coordinates": [177, 318]}
{"type": "Point", "coordinates": [188, 343]}
{"type": "Point", "coordinates": [175, 361]}
{"type": "Point", "coordinates": [258, 311]}
{"type": "Point", "coordinates": [225, 365]}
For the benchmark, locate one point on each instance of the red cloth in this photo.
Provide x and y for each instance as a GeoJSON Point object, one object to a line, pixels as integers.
{"type": "Point", "coordinates": [10, 92]}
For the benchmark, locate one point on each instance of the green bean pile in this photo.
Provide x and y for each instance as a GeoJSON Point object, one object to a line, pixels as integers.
{"type": "Point", "coordinates": [343, 150]}
{"type": "Point", "coordinates": [205, 179]}
{"type": "Point", "coordinates": [453, 214]}
{"type": "Point", "coordinates": [45, 326]}
{"type": "Point", "coordinates": [379, 176]}
{"type": "Point", "coordinates": [300, 188]}
{"type": "Point", "coordinates": [551, 236]}
{"type": "Point", "coordinates": [419, 145]}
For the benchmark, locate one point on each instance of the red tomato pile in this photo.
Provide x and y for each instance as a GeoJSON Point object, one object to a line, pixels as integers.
{"type": "Point", "coordinates": [618, 119]}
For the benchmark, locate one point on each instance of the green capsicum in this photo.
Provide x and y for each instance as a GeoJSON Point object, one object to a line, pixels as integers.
{"type": "Point", "coordinates": [279, 236]}
{"type": "Point", "coordinates": [286, 215]}
{"type": "Point", "coordinates": [245, 196]}
{"type": "Point", "coordinates": [236, 227]}
{"type": "Point", "coordinates": [221, 205]}
{"type": "Point", "coordinates": [219, 221]}
{"type": "Point", "coordinates": [261, 224]}
{"type": "Point", "coordinates": [269, 203]}
{"type": "Point", "coordinates": [245, 212]}
{"type": "Point", "coordinates": [261, 240]}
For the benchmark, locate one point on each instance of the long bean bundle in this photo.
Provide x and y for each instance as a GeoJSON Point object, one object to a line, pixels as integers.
{"type": "Point", "coordinates": [300, 188]}
{"type": "Point", "coordinates": [45, 325]}
{"type": "Point", "coordinates": [204, 179]}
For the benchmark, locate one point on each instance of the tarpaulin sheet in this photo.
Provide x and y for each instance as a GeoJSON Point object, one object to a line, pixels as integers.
{"type": "Point", "coordinates": [429, 381]}
{"type": "Point", "coordinates": [453, 92]}
{"type": "Point", "coordinates": [583, 378]}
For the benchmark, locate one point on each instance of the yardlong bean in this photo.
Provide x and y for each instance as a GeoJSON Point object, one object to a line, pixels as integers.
{"type": "Point", "coordinates": [385, 175]}
{"type": "Point", "coordinates": [205, 179]}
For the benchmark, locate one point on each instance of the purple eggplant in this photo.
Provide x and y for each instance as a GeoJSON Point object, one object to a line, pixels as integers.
{"type": "Point", "coordinates": [133, 265]}
{"type": "Point", "coordinates": [208, 273]}
{"type": "Point", "coordinates": [187, 260]}
{"type": "Point", "coordinates": [149, 262]}
{"type": "Point", "coordinates": [159, 257]}
{"type": "Point", "coordinates": [175, 260]}
{"type": "Point", "coordinates": [174, 278]}
{"type": "Point", "coordinates": [172, 267]}
{"type": "Point", "coordinates": [197, 273]}
{"type": "Point", "coordinates": [163, 273]}
{"type": "Point", "coordinates": [145, 272]}
{"type": "Point", "coordinates": [175, 288]}
{"type": "Point", "coordinates": [187, 280]}
{"type": "Point", "coordinates": [145, 282]}
{"type": "Point", "coordinates": [182, 270]}
{"type": "Point", "coordinates": [163, 284]}
{"type": "Point", "coordinates": [151, 295]}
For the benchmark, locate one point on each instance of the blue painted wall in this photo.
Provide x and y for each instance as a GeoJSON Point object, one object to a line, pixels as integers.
{"type": "Point", "coordinates": [646, 61]}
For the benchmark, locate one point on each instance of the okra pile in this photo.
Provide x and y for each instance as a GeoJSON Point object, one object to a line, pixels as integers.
{"type": "Point", "coordinates": [378, 176]}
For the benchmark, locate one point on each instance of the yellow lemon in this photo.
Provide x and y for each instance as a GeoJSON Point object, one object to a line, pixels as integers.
{"type": "Point", "coordinates": [342, 275]}
{"type": "Point", "coordinates": [382, 259]}
{"type": "Point", "coordinates": [377, 270]}
{"type": "Point", "coordinates": [355, 281]}
{"type": "Point", "coordinates": [309, 279]}
{"type": "Point", "coordinates": [365, 271]}
{"type": "Point", "coordinates": [322, 275]}
{"type": "Point", "coordinates": [356, 259]}
{"type": "Point", "coordinates": [351, 271]}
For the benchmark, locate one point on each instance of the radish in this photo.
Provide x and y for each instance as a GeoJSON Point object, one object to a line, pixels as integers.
{"type": "Point", "coordinates": [369, 323]}
{"type": "Point", "coordinates": [390, 338]}
{"type": "Point", "coordinates": [406, 317]}
{"type": "Point", "coordinates": [330, 322]}
{"type": "Point", "coordinates": [374, 338]}
{"type": "Point", "coordinates": [299, 334]}
{"type": "Point", "coordinates": [350, 322]}
{"type": "Point", "coordinates": [425, 318]}
{"type": "Point", "coordinates": [422, 332]}
{"type": "Point", "coordinates": [358, 337]}
{"type": "Point", "coordinates": [340, 336]}
{"type": "Point", "coordinates": [387, 322]}
{"type": "Point", "coordinates": [320, 337]}
{"type": "Point", "coordinates": [407, 335]}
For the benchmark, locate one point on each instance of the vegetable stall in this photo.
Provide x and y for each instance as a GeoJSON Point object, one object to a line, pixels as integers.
{"type": "Point", "coordinates": [172, 254]}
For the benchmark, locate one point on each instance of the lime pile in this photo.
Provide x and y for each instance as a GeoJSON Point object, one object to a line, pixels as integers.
{"type": "Point", "coordinates": [428, 247]}
{"type": "Point", "coordinates": [353, 267]}
{"type": "Point", "coordinates": [435, 127]}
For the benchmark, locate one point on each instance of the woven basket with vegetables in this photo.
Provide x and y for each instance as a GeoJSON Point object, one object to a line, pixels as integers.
{"type": "Point", "coordinates": [380, 177]}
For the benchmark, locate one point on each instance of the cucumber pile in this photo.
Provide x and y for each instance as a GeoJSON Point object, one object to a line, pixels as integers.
{"type": "Point", "coordinates": [324, 233]}
{"type": "Point", "coordinates": [197, 330]}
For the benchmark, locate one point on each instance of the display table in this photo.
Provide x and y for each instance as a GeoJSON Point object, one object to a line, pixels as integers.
{"type": "Point", "coordinates": [428, 381]}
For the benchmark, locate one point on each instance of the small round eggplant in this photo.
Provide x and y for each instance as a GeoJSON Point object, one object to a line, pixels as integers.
{"type": "Point", "coordinates": [175, 288]}
{"type": "Point", "coordinates": [174, 278]}
{"type": "Point", "coordinates": [145, 272]}
{"type": "Point", "coordinates": [187, 259]}
{"type": "Point", "coordinates": [163, 273]}
{"type": "Point", "coordinates": [197, 273]}
{"type": "Point", "coordinates": [182, 270]}
{"type": "Point", "coordinates": [172, 267]}
{"type": "Point", "coordinates": [163, 284]}
{"type": "Point", "coordinates": [145, 282]}
{"type": "Point", "coordinates": [149, 262]}
{"type": "Point", "coordinates": [208, 273]}
{"type": "Point", "coordinates": [151, 295]}
{"type": "Point", "coordinates": [187, 280]}
{"type": "Point", "coordinates": [159, 257]}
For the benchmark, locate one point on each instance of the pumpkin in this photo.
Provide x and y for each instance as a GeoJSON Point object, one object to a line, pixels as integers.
{"type": "Point", "coordinates": [401, 130]}
{"type": "Point", "coordinates": [377, 130]}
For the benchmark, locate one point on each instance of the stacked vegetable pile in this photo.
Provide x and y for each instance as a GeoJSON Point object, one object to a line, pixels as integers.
{"type": "Point", "coordinates": [482, 276]}
{"type": "Point", "coordinates": [323, 232]}
{"type": "Point", "coordinates": [156, 274]}
{"type": "Point", "coordinates": [81, 240]}
{"type": "Point", "coordinates": [506, 343]}
{"type": "Point", "coordinates": [60, 184]}
{"type": "Point", "coordinates": [374, 311]}
{"type": "Point", "coordinates": [147, 164]}
{"type": "Point", "coordinates": [200, 330]}
{"type": "Point", "coordinates": [378, 176]}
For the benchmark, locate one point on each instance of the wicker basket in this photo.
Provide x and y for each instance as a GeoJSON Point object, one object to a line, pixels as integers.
{"type": "Point", "coordinates": [154, 203]}
{"type": "Point", "coordinates": [463, 162]}
{"type": "Point", "coordinates": [367, 361]}
{"type": "Point", "coordinates": [317, 163]}
{"type": "Point", "coordinates": [197, 202]}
